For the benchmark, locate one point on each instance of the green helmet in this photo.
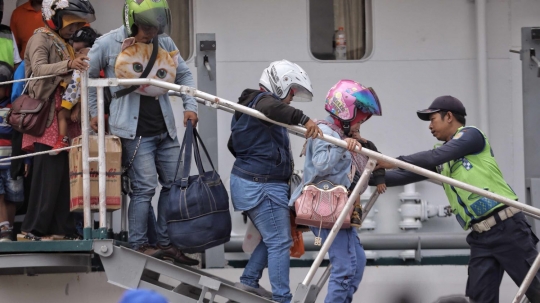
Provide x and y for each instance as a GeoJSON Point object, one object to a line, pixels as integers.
{"type": "Point", "coordinates": [154, 13]}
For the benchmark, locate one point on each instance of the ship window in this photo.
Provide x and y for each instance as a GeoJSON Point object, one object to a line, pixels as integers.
{"type": "Point", "coordinates": [182, 26]}
{"type": "Point", "coordinates": [332, 20]}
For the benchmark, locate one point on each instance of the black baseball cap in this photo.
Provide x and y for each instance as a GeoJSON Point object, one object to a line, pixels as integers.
{"type": "Point", "coordinates": [443, 103]}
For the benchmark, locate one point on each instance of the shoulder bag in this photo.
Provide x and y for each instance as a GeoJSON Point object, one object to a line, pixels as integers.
{"type": "Point", "coordinates": [29, 115]}
{"type": "Point", "coordinates": [198, 216]}
{"type": "Point", "coordinates": [320, 205]}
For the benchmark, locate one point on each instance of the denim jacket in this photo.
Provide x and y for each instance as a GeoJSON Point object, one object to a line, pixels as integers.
{"type": "Point", "coordinates": [262, 150]}
{"type": "Point", "coordinates": [324, 161]}
{"type": "Point", "coordinates": [125, 110]}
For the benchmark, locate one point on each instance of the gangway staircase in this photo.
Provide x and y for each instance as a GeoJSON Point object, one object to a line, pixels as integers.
{"type": "Point", "coordinates": [129, 269]}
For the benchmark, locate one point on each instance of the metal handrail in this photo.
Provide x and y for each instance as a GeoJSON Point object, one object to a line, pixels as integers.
{"type": "Point", "coordinates": [100, 83]}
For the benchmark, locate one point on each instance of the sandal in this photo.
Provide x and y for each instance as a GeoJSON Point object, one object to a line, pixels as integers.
{"type": "Point", "coordinates": [73, 237]}
{"type": "Point", "coordinates": [65, 237]}
{"type": "Point", "coordinates": [24, 236]}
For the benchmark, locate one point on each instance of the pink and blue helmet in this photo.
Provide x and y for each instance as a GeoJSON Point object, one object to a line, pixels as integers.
{"type": "Point", "coordinates": [349, 99]}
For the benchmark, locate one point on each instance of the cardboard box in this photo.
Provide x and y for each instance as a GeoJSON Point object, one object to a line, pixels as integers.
{"type": "Point", "coordinates": [113, 155]}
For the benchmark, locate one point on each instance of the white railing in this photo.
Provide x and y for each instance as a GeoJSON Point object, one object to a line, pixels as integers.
{"type": "Point", "coordinates": [229, 105]}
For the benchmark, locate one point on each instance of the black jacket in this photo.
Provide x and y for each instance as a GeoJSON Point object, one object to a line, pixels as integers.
{"type": "Point", "coordinates": [272, 108]}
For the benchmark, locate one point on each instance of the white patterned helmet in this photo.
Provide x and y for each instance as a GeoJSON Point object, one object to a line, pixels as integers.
{"type": "Point", "coordinates": [283, 76]}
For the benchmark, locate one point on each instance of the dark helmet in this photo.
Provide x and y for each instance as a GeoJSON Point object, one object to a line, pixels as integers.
{"type": "Point", "coordinates": [155, 13]}
{"type": "Point", "coordinates": [85, 34]}
{"type": "Point", "coordinates": [53, 11]}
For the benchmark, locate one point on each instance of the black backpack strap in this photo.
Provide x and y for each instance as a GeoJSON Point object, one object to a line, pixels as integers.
{"type": "Point", "coordinates": [144, 74]}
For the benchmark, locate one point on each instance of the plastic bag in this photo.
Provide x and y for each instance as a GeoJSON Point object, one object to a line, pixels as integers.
{"type": "Point", "coordinates": [297, 248]}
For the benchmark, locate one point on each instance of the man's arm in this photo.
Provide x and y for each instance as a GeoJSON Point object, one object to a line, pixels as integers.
{"type": "Point", "coordinates": [466, 142]}
{"type": "Point", "coordinates": [280, 111]}
{"type": "Point", "coordinates": [398, 177]}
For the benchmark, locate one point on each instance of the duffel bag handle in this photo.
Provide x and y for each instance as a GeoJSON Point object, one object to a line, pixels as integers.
{"type": "Point", "coordinates": [187, 144]}
{"type": "Point", "coordinates": [197, 140]}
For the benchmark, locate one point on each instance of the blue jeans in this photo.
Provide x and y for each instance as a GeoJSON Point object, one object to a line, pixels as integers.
{"type": "Point", "coordinates": [151, 230]}
{"type": "Point", "coordinates": [272, 221]}
{"type": "Point", "coordinates": [348, 261]}
{"type": "Point", "coordinates": [12, 189]}
{"type": "Point", "coordinates": [155, 160]}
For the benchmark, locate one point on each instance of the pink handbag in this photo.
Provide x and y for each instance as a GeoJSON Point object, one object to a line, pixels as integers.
{"type": "Point", "coordinates": [320, 204]}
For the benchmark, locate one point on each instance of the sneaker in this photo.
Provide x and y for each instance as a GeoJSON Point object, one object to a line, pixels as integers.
{"type": "Point", "coordinates": [261, 292]}
{"type": "Point", "coordinates": [356, 217]}
{"type": "Point", "coordinates": [172, 253]}
{"type": "Point", "coordinates": [5, 233]}
{"type": "Point", "coordinates": [148, 250]}
{"type": "Point", "coordinates": [60, 143]}
{"type": "Point", "coordinates": [69, 237]}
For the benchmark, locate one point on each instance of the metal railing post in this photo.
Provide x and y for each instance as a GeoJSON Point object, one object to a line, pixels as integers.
{"type": "Point", "coordinates": [369, 205]}
{"type": "Point", "coordinates": [528, 280]}
{"type": "Point", "coordinates": [102, 165]}
{"type": "Point", "coordinates": [85, 128]}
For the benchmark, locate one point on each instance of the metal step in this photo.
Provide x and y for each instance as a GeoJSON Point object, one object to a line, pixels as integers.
{"type": "Point", "coordinates": [32, 258]}
{"type": "Point", "coordinates": [129, 269]}
{"type": "Point", "coordinates": [44, 263]}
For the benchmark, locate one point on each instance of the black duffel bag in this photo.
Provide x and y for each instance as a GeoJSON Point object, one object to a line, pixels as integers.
{"type": "Point", "coordinates": [198, 216]}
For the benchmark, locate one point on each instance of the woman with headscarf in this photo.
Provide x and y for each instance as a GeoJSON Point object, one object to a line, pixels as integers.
{"type": "Point", "coordinates": [49, 53]}
{"type": "Point", "coordinates": [349, 104]}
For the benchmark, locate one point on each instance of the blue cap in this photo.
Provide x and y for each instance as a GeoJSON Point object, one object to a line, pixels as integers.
{"type": "Point", "coordinates": [142, 296]}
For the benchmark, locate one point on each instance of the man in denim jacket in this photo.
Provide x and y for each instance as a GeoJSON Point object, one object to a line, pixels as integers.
{"type": "Point", "coordinates": [145, 125]}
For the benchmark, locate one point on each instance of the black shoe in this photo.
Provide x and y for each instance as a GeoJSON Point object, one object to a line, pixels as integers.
{"type": "Point", "coordinates": [356, 218]}
{"type": "Point", "coordinates": [150, 251]}
{"type": "Point", "coordinates": [172, 253]}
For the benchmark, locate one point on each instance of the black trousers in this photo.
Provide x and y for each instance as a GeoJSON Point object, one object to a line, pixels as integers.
{"type": "Point", "coordinates": [508, 246]}
{"type": "Point", "coordinates": [48, 208]}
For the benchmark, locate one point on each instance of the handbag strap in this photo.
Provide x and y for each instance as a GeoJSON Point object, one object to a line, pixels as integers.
{"type": "Point", "coordinates": [190, 144]}
{"type": "Point", "coordinates": [25, 88]}
{"type": "Point", "coordinates": [197, 141]}
{"type": "Point", "coordinates": [187, 144]}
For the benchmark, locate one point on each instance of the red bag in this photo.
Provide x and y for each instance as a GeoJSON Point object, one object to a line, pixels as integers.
{"type": "Point", "coordinates": [28, 115]}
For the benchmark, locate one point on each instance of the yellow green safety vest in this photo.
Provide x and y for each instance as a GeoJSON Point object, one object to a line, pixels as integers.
{"type": "Point", "coordinates": [480, 170]}
{"type": "Point", "coordinates": [6, 45]}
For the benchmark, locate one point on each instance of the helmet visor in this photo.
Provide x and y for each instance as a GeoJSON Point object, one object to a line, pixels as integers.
{"type": "Point", "coordinates": [88, 17]}
{"type": "Point", "coordinates": [368, 102]}
{"type": "Point", "coordinates": [300, 93]}
{"type": "Point", "coordinates": [157, 18]}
